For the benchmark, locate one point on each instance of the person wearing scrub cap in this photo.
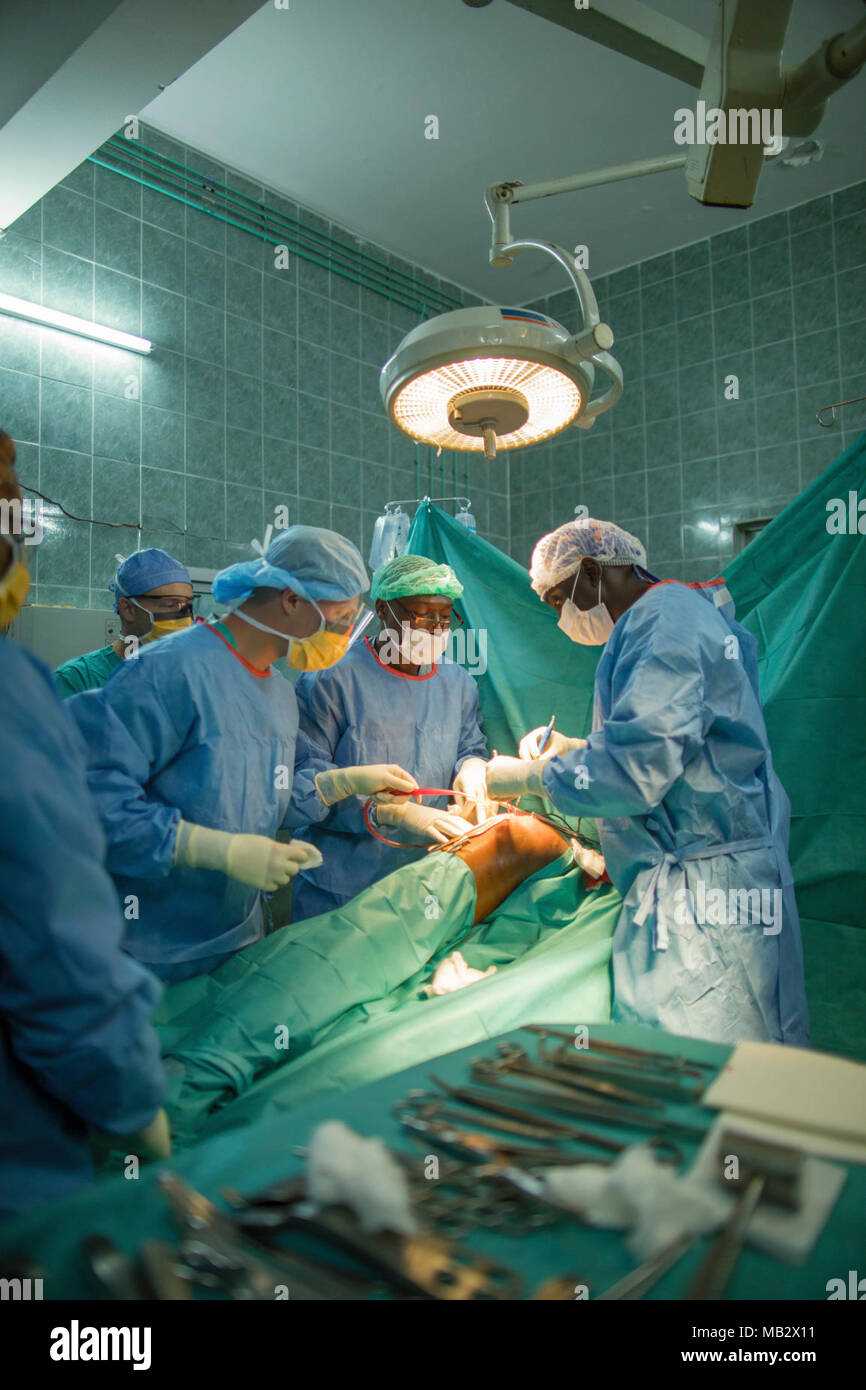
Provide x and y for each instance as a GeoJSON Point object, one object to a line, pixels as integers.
{"type": "Point", "coordinates": [390, 699]}
{"type": "Point", "coordinates": [153, 595]}
{"type": "Point", "coordinates": [191, 749]}
{"type": "Point", "coordinates": [678, 771]}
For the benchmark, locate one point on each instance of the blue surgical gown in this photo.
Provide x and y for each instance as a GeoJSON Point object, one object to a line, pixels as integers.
{"type": "Point", "coordinates": [187, 730]}
{"type": "Point", "coordinates": [362, 711]}
{"type": "Point", "coordinates": [76, 1044]}
{"type": "Point", "coordinates": [678, 771]}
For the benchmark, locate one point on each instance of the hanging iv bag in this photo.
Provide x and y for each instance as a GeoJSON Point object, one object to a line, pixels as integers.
{"type": "Point", "coordinates": [390, 537]}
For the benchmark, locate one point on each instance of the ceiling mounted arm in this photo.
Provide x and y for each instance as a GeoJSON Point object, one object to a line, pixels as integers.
{"type": "Point", "coordinates": [589, 344]}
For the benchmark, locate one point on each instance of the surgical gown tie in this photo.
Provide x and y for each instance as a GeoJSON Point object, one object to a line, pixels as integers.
{"type": "Point", "coordinates": [655, 893]}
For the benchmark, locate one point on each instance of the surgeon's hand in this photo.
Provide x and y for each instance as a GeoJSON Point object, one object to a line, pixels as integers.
{"type": "Point", "coordinates": [557, 744]}
{"type": "Point", "coordinates": [377, 780]}
{"type": "Point", "coordinates": [151, 1143]}
{"type": "Point", "coordinates": [252, 859]}
{"type": "Point", "coordinates": [470, 792]}
{"type": "Point", "coordinates": [268, 864]}
{"type": "Point", "coordinates": [509, 777]}
{"type": "Point", "coordinates": [426, 821]}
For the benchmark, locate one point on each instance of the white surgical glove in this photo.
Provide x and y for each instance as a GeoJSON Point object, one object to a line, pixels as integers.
{"type": "Point", "coordinates": [377, 780]}
{"type": "Point", "coordinates": [252, 859]}
{"type": "Point", "coordinates": [509, 777]}
{"type": "Point", "coordinates": [557, 744]}
{"type": "Point", "coordinates": [428, 821]}
{"type": "Point", "coordinates": [470, 791]}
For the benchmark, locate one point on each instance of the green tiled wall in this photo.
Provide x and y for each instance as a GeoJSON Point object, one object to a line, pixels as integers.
{"type": "Point", "coordinates": [780, 304]}
{"type": "Point", "coordinates": [262, 388]}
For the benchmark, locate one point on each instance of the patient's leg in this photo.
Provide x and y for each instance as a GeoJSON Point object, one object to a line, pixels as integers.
{"type": "Point", "coordinates": [503, 856]}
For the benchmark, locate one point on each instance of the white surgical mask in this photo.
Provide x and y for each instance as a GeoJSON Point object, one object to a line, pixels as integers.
{"type": "Point", "coordinates": [419, 647]}
{"type": "Point", "coordinates": [589, 626]}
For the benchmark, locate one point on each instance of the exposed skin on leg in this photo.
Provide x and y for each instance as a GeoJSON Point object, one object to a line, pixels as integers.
{"type": "Point", "coordinates": [504, 856]}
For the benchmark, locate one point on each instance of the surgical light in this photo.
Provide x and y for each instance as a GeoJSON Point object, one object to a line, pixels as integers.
{"type": "Point", "coordinates": [488, 378]}
{"type": "Point", "coordinates": [70, 323]}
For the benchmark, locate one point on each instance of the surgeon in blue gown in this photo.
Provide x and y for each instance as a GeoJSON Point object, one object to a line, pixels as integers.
{"type": "Point", "coordinates": [191, 750]}
{"type": "Point", "coordinates": [77, 1050]}
{"type": "Point", "coordinates": [391, 699]}
{"type": "Point", "coordinates": [693, 819]}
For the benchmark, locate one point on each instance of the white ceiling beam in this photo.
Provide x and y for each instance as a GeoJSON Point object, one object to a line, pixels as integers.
{"type": "Point", "coordinates": [633, 29]}
{"type": "Point", "coordinates": [123, 55]}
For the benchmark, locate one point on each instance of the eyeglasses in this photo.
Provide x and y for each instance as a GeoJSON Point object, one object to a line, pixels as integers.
{"type": "Point", "coordinates": [346, 622]}
{"type": "Point", "coordinates": [433, 622]}
{"type": "Point", "coordinates": [167, 607]}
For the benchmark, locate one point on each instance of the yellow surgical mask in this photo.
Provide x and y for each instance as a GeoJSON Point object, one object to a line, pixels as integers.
{"type": "Point", "coordinates": [165, 627]}
{"type": "Point", "coordinates": [14, 587]}
{"type": "Point", "coordinates": [316, 653]}
{"type": "Point", "coordinates": [161, 627]}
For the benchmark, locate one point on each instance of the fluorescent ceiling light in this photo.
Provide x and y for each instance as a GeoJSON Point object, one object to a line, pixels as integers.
{"type": "Point", "coordinates": [69, 323]}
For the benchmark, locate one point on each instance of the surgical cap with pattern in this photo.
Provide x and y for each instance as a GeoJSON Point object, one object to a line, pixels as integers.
{"type": "Point", "coordinates": [558, 554]}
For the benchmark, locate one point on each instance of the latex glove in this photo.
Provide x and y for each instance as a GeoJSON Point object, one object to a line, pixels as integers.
{"type": "Point", "coordinates": [470, 792]}
{"type": "Point", "coordinates": [557, 744]}
{"type": "Point", "coordinates": [251, 859]}
{"type": "Point", "coordinates": [152, 1143]}
{"type": "Point", "coordinates": [510, 777]}
{"type": "Point", "coordinates": [428, 821]}
{"type": "Point", "coordinates": [377, 780]}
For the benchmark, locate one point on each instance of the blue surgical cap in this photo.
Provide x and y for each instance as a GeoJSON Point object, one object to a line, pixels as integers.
{"type": "Point", "coordinates": [146, 570]}
{"type": "Point", "coordinates": [312, 562]}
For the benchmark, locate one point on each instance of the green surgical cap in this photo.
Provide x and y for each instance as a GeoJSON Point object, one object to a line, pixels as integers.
{"type": "Point", "coordinates": [414, 574]}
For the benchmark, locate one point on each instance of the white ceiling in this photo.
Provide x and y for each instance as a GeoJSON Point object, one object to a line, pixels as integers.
{"type": "Point", "coordinates": [325, 102]}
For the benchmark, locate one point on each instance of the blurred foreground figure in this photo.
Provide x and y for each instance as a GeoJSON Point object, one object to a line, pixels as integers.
{"type": "Point", "coordinates": [76, 1047]}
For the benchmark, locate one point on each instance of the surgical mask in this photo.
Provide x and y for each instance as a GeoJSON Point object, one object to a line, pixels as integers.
{"type": "Point", "coordinates": [419, 647]}
{"type": "Point", "coordinates": [321, 649]}
{"type": "Point", "coordinates": [318, 652]}
{"type": "Point", "coordinates": [161, 627]}
{"type": "Point", "coordinates": [14, 586]}
{"type": "Point", "coordinates": [589, 626]}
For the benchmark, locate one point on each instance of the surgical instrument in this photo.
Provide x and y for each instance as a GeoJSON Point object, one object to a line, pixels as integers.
{"type": "Point", "coordinates": [764, 1171]}
{"type": "Point", "coordinates": [663, 1060]}
{"type": "Point", "coordinates": [212, 1250]}
{"type": "Point", "coordinates": [114, 1271]}
{"type": "Point", "coordinates": [545, 737]}
{"type": "Point", "coordinates": [665, 1084]}
{"type": "Point", "coordinates": [640, 1280]}
{"type": "Point", "coordinates": [513, 1058]}
{"type": "Point", "coordinates": [423, 1265]}
{"type": "Point", "coordinates": [565, 1099]}
{"type": "Point", "coordinates": [550, 1129]}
